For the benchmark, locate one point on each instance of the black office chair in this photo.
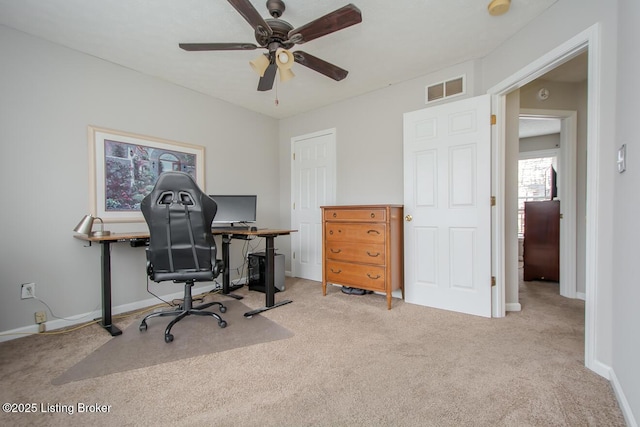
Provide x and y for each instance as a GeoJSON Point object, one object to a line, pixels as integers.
{"type": "Point", "coordinates": [181, 246]}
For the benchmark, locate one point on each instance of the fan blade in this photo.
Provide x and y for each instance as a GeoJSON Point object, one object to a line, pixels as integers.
{"type": "Point", "coordinates": [266, 81]}
{"type": "Point", "coordinates": [337, 20]}
{"type": "Point", "coordinates": [251, 15]}
{"type": "Point", "coordinates": [217, 46]}
{"type": "Point", "coordinates": [319, 65]}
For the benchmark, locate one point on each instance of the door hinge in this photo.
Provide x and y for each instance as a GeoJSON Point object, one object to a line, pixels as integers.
{"type": "Point", "coordinates": [294, 255]}
{"type": "Point", "coordinates": [493, 119]}
{"type": "Point", "coordinates": [294, 156]}
{"type": "Point", "coordinates": [493, 281]}
{"type": "Point", "coordinates": [493, 200]}
{"type": "Point", "coordinates": [294, 206]}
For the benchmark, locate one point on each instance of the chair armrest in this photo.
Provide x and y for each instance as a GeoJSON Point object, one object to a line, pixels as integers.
{"type": "Point", "coordinates": [218, 267]}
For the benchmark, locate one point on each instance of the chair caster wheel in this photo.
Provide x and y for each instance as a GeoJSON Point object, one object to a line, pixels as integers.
{"type": "Point", "coordinates": [142, 327]}
{"type": "Point", "coordinates": [222, 324]}
{"type": "Point", "coordinates": [168, 338]}
{"type": "Point", "coordinates": [223, 309]}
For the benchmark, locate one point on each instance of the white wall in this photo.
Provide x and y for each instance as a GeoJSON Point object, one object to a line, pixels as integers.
{"type": "Point", "coordinates": [369, 137]}
{"type": "Point", "coordinates": [50, 95]}
{"type": "Point", "coordinates": [540, 142]}
{"type": "Point", "coordinates": [626, 232]}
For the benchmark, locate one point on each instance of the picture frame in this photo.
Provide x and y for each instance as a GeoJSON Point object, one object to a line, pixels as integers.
{"type": "Point", "coordinates": [125, 166]}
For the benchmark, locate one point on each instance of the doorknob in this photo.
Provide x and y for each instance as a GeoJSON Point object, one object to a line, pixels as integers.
{"type": "Point", "coordinates": [408, 218]}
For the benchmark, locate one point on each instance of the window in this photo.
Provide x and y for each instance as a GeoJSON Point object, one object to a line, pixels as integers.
{"type": "Point", "coordinates": [536, 181]}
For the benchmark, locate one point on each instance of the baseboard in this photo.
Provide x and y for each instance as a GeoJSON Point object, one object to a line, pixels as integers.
{"type": "Point", "coordinates": [79, 319]}
{"type": "Point", "coordinates": [581, 295]}
{"type": "Point", "coordinates": [600, 369]}
{"type": "Point", "coordinates": [622, 400]}
{"type": "Point", "coordinates": [513, 306]}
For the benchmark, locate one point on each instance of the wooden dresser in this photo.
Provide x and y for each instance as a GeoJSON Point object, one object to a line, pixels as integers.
{"type": "Point", "coordinates": [542, 241]}
{"type": "Point", "coordinates": [362, 247]}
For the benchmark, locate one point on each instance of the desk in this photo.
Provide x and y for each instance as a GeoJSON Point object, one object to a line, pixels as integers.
{"type": "Point", "coordinates": [105, 245]}
{"type": "Point", "coordinates": [269, 235]}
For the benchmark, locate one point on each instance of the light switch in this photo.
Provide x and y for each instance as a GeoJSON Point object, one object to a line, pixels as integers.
{"type": "Point", "coordinates": [622, 154]}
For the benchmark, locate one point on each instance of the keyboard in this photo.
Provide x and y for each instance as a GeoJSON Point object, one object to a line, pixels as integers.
{"type": "Point", "coordinates": [230, 228]}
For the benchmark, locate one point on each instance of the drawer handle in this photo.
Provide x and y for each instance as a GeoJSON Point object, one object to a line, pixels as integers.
{"type": "Point", "coordinates": [336, 251]}
{"type": "Point", "coordinates": [373, 231]}
{"type": "Point", "coordinates": [371, 277]}
{"type": "Point", "coordinates": [335, 215]}
{"type": "Point", "coordinates": [336, 272]}
{"type": "Point", "coordinates": [373, 255]}
{"type": "Point", "coordinates": [331, 232]}
{"type": "Point", "coordinates": [373, 215]}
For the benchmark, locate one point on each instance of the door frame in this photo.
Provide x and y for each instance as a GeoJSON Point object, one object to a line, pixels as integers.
{"type": "Point", "coordinates": [588, 40]}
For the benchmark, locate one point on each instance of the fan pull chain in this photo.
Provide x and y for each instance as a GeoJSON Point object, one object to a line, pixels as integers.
{"type": "Point", "coordinates": [276, 101]}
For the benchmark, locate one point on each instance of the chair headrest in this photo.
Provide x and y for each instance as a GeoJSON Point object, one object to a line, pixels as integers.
{"type": "Point", "coordinates": [169, 197]}
{"type": "Point", "coordinates": [175, 187]}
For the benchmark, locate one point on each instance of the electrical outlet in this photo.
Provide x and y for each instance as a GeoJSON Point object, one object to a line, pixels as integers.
{"type": "Point", "coordinates": [41, 317]}
{"type": "Point", "coordinates": [28, 290]}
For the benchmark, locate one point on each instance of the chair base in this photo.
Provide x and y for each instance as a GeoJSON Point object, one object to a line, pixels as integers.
{"type": "Point", "coordinates": [186, 310]}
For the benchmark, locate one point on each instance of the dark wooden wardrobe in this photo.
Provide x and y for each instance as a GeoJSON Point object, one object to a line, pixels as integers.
{"type": "Point", "coordinates": [542, 240]}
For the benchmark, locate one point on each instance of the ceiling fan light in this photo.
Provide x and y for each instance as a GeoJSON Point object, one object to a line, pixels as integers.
{"type": "Point", "coordinates": [286, 74]}
{"type": "Point", "coordinates": [498, 7]}
{"type": "Point", "coordinates": [284, 59]}
{"type": "Point", "coordinates": [260, 64]}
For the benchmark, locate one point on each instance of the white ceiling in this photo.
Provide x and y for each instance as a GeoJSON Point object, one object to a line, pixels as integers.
{"type": "Point", "coordinates": [538, 126]}
{"type": "Point", "coordinates": [397, 41]}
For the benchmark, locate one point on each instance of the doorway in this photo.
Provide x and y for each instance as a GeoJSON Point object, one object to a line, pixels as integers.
{"type": "Point", "coordinates": [586, 41]}
{"type": "Point", "coordinates": [557, 136]}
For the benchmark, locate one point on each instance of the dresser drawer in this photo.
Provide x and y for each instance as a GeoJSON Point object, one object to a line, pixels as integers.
{"type": "Point", "coordinates": [372, 253]}
{"type": "Point", "coordinates": [366, 233]}
{"type": "Point", "coordinates": [357, 275]}
{"type": "Point", "coordinates": [373, 214]}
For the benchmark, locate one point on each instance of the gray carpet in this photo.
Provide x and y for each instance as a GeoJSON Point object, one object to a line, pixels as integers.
{"type": "Point", "coordinates": [193, 336]}
{"type": "Point", "coordinates": [349, 362]}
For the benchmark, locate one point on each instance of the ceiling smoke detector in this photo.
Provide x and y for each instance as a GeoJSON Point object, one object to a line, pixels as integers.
{"type": "Point", "coordinates": [498, 7]}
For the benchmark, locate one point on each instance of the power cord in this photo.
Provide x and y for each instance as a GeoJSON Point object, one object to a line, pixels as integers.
{"type": "Point", "coordinates": [170, 304]}
{"type": "Point", "coordinates": [91, 322]}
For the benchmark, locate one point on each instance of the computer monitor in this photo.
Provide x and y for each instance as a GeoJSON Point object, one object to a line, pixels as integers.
{"type": "Point", "coordinates": [235, 208]}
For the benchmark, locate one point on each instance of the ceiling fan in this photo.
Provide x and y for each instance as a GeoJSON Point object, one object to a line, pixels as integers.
{"type": "Point", "coordinates": [278, 36]}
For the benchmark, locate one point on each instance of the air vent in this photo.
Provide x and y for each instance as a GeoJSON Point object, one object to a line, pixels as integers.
{"type": "Point", "coordinates": [445, 89]}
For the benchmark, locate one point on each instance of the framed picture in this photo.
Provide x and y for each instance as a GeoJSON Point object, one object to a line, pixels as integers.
{"type": "Point", "coordinates": [125, 167]}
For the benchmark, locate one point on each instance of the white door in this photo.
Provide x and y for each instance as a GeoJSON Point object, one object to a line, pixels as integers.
{"type": "Point", "coordinates": [447, 206]}
{"type": "Point", "coordinates": [313, 170]}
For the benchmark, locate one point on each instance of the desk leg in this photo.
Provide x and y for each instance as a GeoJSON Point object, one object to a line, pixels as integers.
{"type": "Point", "coordinates": [106, 290]}
{"type": "Point", "coordinates": [270, 285]}
{"type": "Point", "coordinates": [226, 282]}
